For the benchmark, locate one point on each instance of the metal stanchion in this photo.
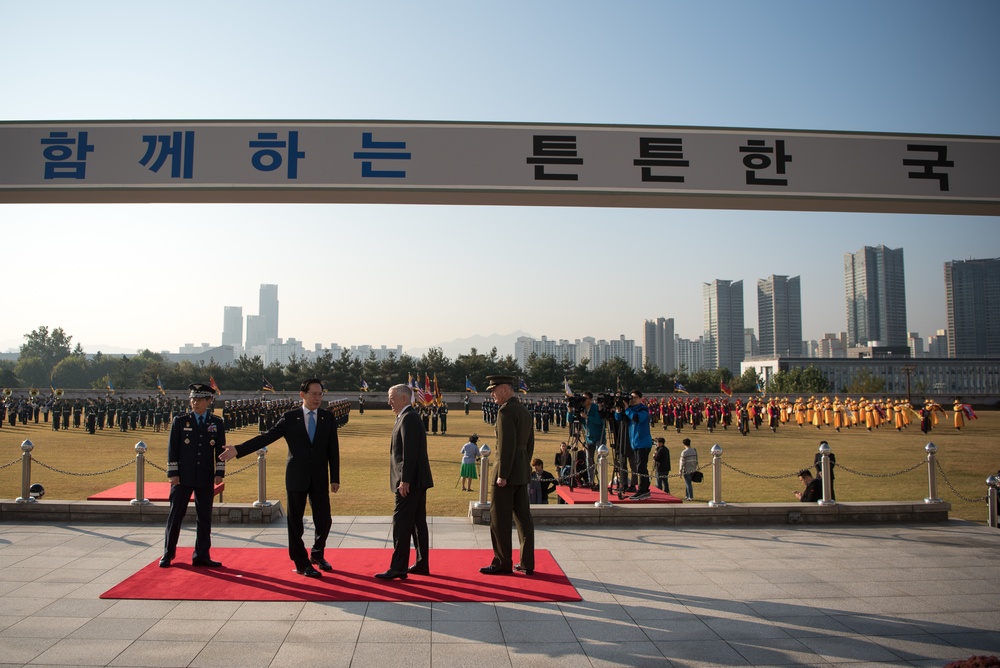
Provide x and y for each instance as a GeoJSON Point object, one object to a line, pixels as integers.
{"type": "Point", "coordinates": [484, 477]}
{"type": "Point", "coordinates": [140, 476]}
{"type": "Point", "coordinates": [602, 463]}
{"type": "Point", "coordinates": [932, 496]}
{"type": "Point", "coordinates": [261, 501]}
{"type": "Point", "coordinates": [716, 501]}
{"type": "Point", "coordinates": [26, 448]}
{"type": "Point", "coordinates": [824, 451]}
{"type": "Point", "coordinates": [992, 483]}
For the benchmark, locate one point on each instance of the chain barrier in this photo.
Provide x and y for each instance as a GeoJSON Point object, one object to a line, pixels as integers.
{"type": "Point", "coordinates": [841, 467]}
{"type": "Point", "coordinates": [756, 475]}
{"type": "Point", "coordinates": [957, 493]}
{"type": "Point", "coordinates": [52, 468]}
{"type": "Point", "coordinates": [10, 463]}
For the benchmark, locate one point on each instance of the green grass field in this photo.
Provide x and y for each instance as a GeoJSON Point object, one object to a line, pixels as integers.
{"type": "Point", "coordinates": [966, 457]}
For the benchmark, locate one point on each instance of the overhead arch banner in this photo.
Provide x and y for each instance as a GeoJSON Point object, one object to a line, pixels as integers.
{"type": "Point", "coordinates": [497, 164]}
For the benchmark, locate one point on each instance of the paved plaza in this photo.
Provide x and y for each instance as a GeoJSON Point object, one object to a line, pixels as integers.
{"type": "Point", "coordinates": [921, 595]}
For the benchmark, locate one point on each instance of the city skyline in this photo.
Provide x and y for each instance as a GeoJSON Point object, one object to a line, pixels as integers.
{"type": "Point", "coordinates": [115, 276]}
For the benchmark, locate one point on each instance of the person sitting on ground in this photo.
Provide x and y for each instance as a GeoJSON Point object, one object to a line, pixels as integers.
{"type": "Point", "coordinates": [813, 487]}
{"type": "Point", "coordinates": [542, 483]}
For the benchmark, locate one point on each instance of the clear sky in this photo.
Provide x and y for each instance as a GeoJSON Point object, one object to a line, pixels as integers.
{"type": "Point", "coordinates": [157, 276]}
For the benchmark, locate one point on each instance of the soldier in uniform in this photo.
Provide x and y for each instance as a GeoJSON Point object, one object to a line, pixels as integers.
{"type": "Point", "coordinates": [196, 441]}
{"type": "Point", "coordinates": [443, 417]}
{"type": "Point", "coordinates": [515, 444]}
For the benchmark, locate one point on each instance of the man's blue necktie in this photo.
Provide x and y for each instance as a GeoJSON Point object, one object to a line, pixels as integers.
{"type": "Point", "coordinates": [311, 425]}
{"type": "Point", "coordinates": [201, 421]}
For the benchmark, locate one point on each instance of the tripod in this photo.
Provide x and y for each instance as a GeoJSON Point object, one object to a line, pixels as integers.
{"type": "Point", "coordinates": [580, 473]}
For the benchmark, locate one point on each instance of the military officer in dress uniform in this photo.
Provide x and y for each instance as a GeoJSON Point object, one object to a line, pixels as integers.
{"type": "Point", "coordinates": [196, 441]}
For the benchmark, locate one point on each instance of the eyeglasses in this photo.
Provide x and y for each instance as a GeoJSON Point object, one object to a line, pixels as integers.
{"type": "Point", "coordinates": [314, 394]}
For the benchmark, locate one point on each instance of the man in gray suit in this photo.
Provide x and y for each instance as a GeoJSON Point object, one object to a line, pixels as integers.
{"type": "Point", "coordinates": [409, 478]}
{"type": "Point", "coordinates": [313, 464]}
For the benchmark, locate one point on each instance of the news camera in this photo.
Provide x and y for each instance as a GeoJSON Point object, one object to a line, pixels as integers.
{"type": "Point", "coordinates": [609, 402]}
{"type": "Point", "coordinates": [575, 404]}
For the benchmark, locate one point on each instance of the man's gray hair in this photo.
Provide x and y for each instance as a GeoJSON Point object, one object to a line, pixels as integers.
{"type": "Point", "coordinates": [402, 389]}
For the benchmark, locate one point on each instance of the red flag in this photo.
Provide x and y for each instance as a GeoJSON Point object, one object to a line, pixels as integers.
{"type": "Point", "coordinates": [211, 382]}
{"type": "Point", "coordinates": [725, 389]}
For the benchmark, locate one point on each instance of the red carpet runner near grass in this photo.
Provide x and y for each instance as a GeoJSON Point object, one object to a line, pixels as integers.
{"type": "Point", "coordinates": [585, 495]}
{"type": "Point", "coordinates": [154, 491]}
{"type": "Point", "coordinates": [266, 574]}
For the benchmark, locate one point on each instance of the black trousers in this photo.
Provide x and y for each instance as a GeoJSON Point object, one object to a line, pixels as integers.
{"type": "Point", "coordinates": [409, 520]}
{"type": "Point", "coordinates": [642, 468]}
{"type": "Point", "coordinates": [318, 497]}
{"type": "Point", "coordinates": [180, 496]}
{"type": "Point", "coordinates": [510, 506]}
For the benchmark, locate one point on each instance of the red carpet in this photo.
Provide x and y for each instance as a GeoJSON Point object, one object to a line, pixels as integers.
{"type": "Point", "coordinates": [155, 491]}
{"type": "Point", "coordinates": [587, 496]}
{"type": "Point", "coordinates": [266, 574]}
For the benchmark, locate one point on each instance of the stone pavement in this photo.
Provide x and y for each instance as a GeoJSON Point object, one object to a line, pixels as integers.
{"type": "Point", "coordinates": [918, 595]}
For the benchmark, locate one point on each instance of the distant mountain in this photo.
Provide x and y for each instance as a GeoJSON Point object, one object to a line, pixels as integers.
{"type": "Point", "coordinates": [504, 344]}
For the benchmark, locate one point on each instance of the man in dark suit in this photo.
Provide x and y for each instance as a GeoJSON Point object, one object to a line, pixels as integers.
{"type": "Point", "coordinates": [515, 445]}
{"type": "Point", "coordinates": [196, 441]}
{"type": "Point", "coordinates": [409, 478]}
{"type": "Point", "coordinates": [313, 464]}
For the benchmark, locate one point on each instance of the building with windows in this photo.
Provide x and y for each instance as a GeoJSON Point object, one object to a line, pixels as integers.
{"type": "Point", "coordinates": [972, 301]}
{"type": "Point", "coordinates": [658, 341]}
{"type": "Point", "coordinates": [723, 319]}
{"type": "Point", "coordinates": [779, 316]}
{"type": "Point", "coordinates": [232, 327]}
{"type": "Point", "coordinates": [875, 292]}
{"type": "Point", "coordinates": [944, 379]}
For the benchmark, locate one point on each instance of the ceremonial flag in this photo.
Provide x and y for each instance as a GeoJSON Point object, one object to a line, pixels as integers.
{"type": "Point", "coordinates": [428, 395]}
{"type": "Point", "coordinates": [213, 385]}
{"type": "Point", "coordinates": [969, 413]}
{"type": "Point", "coordinates": [265, 385]}
{"type": "Point", "coordinates": [569, 392]}
{"type": "Point", "coordinates": [111, 388]}
{"type": "Point", "coordinates": [469, 387]}
{"type": "Point", "coordinates": [522, 386]}
{"type": "Point", "coordinates": [725, 389]}
{"type": "Point", "coordinates": [679, 388]}
{"type": "Point", "coordinates": [364, 385]}
{"type": "Point", "coordinates": [159, 386]}
{"type": "Point", "coordinates": [437, 392]}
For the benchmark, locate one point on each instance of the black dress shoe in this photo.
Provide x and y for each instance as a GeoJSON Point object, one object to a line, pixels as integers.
{"type": "Point", "coordinates": [308, 571]}
{"type": "Point", "coordinates": [521, 569]}
{"type": "Point", "coordinates": [391, 575]}
{"type": "Point", "coordinates": [323, 564]}
{"type": "Point", "coordinates": [418, 570]}
{"type": "Point", "coordinates": [165, 562]}
{"type": "Point", "coordinates": [493, 570]}
{"type": "Point", "coordinates": [209, 563]}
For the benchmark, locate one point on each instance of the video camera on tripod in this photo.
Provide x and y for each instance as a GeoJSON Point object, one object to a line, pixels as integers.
{"type": "Point", "coordinates": [608, 403]}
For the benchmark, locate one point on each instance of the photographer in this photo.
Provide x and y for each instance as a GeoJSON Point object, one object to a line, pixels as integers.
{"type": "Point", "coordinates": [593, 423]}
{"type": "Point", "coordinates": [637, 416]}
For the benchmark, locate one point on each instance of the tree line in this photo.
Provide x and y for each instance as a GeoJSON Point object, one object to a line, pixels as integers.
{"type": "Point", "coordinates": [49, 359]}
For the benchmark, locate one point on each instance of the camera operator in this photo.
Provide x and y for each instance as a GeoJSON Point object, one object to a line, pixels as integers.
{"type": "Point", "coordinates": [590, 417]}
{"type": "Point", "coordinates": [637, 416]}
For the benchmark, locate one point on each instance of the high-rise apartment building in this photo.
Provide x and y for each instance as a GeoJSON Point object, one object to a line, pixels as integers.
{"type": "Point", "coordinates": [779, 316]}
{"type": "Point", "coordinates": [972, 301]}
{"type": "Point", "coordinates": [723, 318]}
{"type": "Point", "coordinates": [937, 344]}
{"type": "Point", "coordinates": [263, 327]}
{"type": "Point", "coordinates": [232, 327]}
{"type": "Point", "coordinates": [658, 340]}
{"type": "Point", "coordinates": [269, 310]}
{"type": "Point", "coordinates": [876, 297]}
{"type": "Point", "coordinates": [690, 354]}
